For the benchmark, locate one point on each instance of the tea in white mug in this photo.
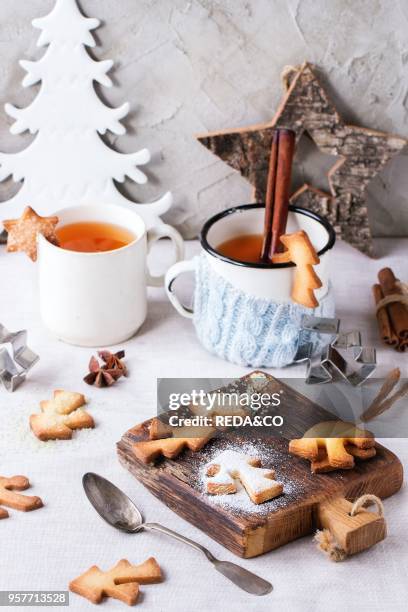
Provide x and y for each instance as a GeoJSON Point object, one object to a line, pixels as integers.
{"type": "Point", "coordinates": [93, 237]}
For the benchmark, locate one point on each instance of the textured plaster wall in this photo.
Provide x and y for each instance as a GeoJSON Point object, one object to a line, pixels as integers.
{"type": "Point", "coordinates": [189, 66]}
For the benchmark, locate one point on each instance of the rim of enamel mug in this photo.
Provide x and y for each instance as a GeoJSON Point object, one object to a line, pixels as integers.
{"type": "Point", "coordinates": [244, 207]}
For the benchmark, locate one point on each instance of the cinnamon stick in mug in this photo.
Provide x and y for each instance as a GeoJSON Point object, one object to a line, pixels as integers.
{"type": "Point", "coordinates": [270, 197]}
{"type": "Point", "coordinates": [278, 191]}
{"type": "Point", "coordinates": [282, 189]}
{"type": "Point", "coordinates": [398, 312]}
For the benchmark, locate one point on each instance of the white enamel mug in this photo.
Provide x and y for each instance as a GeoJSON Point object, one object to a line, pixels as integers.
{"type": "Point", "coordinates": [99, 299]}
{"type": "Point", "coordinates": [243, 312]}
{"type": "Point", "coordinates": [262, 280]}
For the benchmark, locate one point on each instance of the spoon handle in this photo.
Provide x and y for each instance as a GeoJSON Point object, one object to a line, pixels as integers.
{"type": "Point", "coordinates": [181, 538]}
{"type": "Point", "coordinates": [242, 578]}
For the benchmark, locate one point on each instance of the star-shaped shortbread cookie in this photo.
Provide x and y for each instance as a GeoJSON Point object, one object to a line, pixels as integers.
{"type": "Point", "coordinates": [22, 233]}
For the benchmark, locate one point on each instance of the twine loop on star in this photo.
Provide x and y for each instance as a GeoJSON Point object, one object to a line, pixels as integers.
{"type": "Point", "coordinates": [287, 74]}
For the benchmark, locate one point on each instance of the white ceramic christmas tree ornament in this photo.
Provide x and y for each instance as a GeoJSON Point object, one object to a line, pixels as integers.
{"type": "Point", "coordinates": [68, 163]}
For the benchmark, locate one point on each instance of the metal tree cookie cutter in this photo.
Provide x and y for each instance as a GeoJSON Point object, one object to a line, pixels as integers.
{"type": "Point", "coordinates": [14, 368]}
{"type": "Point", "coordinates": [331, 364]}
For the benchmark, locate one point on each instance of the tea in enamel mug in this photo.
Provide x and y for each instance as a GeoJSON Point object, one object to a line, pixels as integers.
{"type": "Point", "coordinates": [93, 237]}
{"type": "Point", "coordinates": [246, 248]}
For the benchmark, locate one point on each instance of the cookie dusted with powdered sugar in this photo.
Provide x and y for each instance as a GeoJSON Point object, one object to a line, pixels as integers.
{"type": "Point", "coordinates": [226, 468]}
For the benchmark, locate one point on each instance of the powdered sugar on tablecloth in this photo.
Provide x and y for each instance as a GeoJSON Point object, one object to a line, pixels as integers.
{"type": "Point", "coordinates": [17, 437]}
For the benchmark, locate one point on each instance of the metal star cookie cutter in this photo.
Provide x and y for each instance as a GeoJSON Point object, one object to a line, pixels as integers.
{"type": "Point", "coordinates": [331, 364]}
{"type": "Point", "coordinates": [14, 368]}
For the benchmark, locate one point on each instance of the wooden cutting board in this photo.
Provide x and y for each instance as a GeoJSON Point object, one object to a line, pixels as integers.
{"type": "Point", "coordinates": [306, 504]}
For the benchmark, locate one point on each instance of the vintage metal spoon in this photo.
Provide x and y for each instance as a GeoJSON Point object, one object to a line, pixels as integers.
{"type": "Point", "coordinates": [120, 512]}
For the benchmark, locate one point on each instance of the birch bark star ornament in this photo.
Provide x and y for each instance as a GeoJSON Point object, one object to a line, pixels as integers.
{"type": "Point", "coordinates": [68, 161]}
{"type": "Point", "coordinates": [362, 154]}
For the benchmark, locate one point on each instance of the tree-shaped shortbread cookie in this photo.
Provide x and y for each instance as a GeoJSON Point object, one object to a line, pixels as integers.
{"type": "Point", "coordinates": [333, 445]}
{"type": "Point", "coordinates": [230, 465]}
{"type": "Point", "coordinates": [162, 444]}
{"type": "Point", "coordinates": [60, 416]}
{"type": "Point", "coordinates": [302, 253]}
{"type": "Point", "coordinates": [121, 582]}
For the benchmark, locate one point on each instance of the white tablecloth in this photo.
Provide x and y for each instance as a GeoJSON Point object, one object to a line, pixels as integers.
{"type": "Point", "coordinates": [45, 549]}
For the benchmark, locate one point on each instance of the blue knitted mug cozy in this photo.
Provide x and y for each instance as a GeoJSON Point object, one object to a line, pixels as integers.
{"type": "Point", "coordinates": [247, 330]}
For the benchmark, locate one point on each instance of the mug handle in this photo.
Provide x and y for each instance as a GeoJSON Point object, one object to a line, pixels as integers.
{"type": "Point", "coordinates": [178, 268]}
{"type": "Point", "coordinates": [153, 235]}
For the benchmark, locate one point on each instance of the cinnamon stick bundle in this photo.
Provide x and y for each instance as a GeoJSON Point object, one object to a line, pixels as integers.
{"type": "Point", "coordinates": [387, 334]}
{"type": "Point", "coordinates": [392, 316]}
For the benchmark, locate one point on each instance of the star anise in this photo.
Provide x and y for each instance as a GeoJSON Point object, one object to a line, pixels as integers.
{"type": "Point", "coordinates": [114, 361]}
{"type": "Point", "coordinates": [107, 374]}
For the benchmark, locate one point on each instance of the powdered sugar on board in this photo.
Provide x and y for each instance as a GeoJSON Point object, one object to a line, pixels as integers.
{"type": "Point", "coordinates": [239, 502]}
{"type": "Point", "coordinates": [229, 466]}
